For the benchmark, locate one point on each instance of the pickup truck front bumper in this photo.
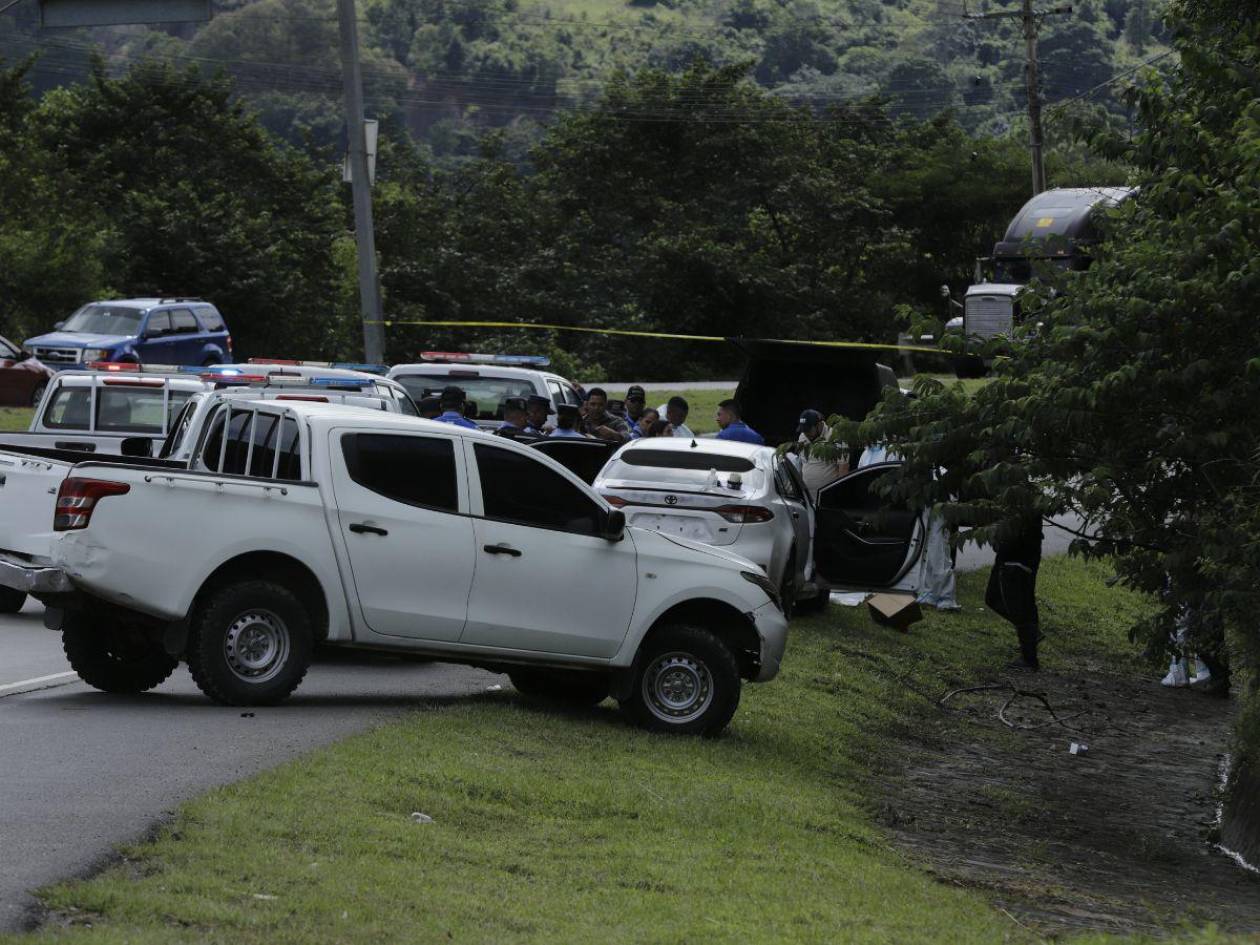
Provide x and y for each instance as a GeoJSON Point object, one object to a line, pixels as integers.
{"type": "Point", "coordinates": [32, 575]}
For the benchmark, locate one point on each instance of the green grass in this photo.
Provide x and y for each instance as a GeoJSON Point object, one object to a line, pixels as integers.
{"type": "Point", "coordinates": [554, 827]}
{"type": "Point", "coordinates": [15, 419]}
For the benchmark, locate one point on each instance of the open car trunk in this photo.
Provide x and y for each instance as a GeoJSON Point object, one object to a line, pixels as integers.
{"type": "Point", "coordinates": [783, 378]}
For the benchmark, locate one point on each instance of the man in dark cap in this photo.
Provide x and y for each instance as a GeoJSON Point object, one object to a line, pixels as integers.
{"type": "Point", "coordinates": [536, 411]}
{"type": "Point", "coordinates": [636, 402]}
{"type": "Point", "coordinates": [452, 404]}
{"type": "Point", "coordinates": [515, 418]}
{"type": "Point", "coordinates": [429, 407]}
{"type": "Point", "coordinates": [566, 423]}
{"type": "Point", "coordinates": [815, 470]}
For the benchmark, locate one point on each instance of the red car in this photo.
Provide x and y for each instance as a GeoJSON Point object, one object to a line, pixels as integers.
{"type": "Point", "coordinates": [22, 378]}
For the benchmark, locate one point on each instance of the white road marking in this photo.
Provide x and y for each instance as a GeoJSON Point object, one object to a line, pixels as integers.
{"type": "Point", "coordinates": [38, 682]}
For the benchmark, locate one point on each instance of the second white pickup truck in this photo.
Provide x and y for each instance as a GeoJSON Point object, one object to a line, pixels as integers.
{"type": "Point", "coordinates": [301, 523]}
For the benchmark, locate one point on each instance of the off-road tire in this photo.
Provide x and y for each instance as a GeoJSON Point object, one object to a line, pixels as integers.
{"type": "Point", "coordinates": [11, 600]}
{"type": "Point", "coordinates": [110, 656]}
{"type": "Point", "coordinates": [254, 626]}
{"type": "Point", "coordinates": [686, 682]}
{"type": "Point", "coordinates": [564, 687]}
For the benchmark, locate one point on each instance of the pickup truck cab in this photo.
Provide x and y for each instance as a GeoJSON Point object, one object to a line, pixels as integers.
{"type": "Point", "coordinates": [306, 523]}
{"type": "Point", "coordinates": [164, 331]}
{"type": "Point", "coordinates": [487, 381]}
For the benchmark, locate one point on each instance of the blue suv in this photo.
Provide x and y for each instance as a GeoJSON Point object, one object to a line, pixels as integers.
{"type": "Point", "coordinates": [153, 331]}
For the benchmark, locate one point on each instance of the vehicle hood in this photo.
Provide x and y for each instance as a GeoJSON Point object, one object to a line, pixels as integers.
{"type": "Point", "coordinates": [647, 539]}
{"type": "Point", "coordinates": [76, 339]}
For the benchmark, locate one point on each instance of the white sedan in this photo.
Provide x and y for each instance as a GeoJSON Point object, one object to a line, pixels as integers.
{"type": "Point", "coordinates": [752, 501]}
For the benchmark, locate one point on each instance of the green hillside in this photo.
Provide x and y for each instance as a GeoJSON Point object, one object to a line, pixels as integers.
{"type": "Point", "coordinates": [449, 68]}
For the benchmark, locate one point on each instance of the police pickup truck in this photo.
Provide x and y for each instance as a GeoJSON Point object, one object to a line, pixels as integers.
{"type": "Point", "coordinates": [32, 468]}
{"type": "Point", "coordinates": [303, 523]}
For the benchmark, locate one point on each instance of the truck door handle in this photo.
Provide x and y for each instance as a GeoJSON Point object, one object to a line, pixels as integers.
{"type": "Point", "coordinates": [360, 529]}
{"type": "Point", "coordinates": [502, 550]}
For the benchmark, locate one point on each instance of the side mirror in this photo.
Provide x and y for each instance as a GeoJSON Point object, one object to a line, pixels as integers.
{"type": "Point", "coordinates": [615, 525]}
{"type": "Point", "coordinates": [60, 324]}
{"type": "Point", "coordinates": [136, 446]}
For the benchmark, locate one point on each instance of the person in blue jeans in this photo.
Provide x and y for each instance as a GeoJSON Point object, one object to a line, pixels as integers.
{"type": "Point", "coordinates": [452, 404]}
{"type": "Point", "coordinates": [733, 426]}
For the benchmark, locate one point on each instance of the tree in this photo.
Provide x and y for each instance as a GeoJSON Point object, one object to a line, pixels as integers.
{"type": "Point", "coordinates": [198, 200]}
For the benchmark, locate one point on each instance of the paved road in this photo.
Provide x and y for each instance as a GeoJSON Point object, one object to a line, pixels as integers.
{"type": "Point", "coordinates": [81, 772]}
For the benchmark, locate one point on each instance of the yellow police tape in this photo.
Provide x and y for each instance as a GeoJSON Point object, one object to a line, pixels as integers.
{"type": "Point", "coordinates": [655, 334]}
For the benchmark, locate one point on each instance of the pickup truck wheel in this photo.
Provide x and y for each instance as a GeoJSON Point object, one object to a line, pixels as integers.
{"type": "Point", "coordinates": [112, 657]}
{"type": "Point", "coordinates": [251, 644]}
{"type": "Point", "coordinates": [11, 600]}
{"type": "Point", "coordinates": [569, 688]}
{"type": "Point", "coordinates": [687, 682]}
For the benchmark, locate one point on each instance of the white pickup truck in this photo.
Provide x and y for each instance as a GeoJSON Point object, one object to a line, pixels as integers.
{"type": "Point", "coordinates": [31, 471]}
{"type": "Point", "coordinates": [309, 524]}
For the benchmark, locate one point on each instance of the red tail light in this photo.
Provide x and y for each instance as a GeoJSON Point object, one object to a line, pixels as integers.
{"type": "Point", "coordinates": [77, 498]}
{"type": "Point", "coordinates": [616, 501]}
{"type": "Point", "coordinates": [744, 514]}
{"type": "Point", "coordinates": [113, 366]}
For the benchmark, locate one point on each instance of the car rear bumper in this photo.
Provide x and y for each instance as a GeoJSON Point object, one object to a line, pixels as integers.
{"type": "Point", "coordinates": [32, 576]}
{"type": "Point", "coordinates": [772, 628]}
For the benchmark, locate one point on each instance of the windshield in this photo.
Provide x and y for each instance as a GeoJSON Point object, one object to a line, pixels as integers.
{"type": "Point", "coordinates": [488, 393]}
{"type": "Point", "coordinates": [99, 319]}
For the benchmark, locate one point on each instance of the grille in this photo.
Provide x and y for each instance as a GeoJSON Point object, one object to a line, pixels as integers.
{"type": "Point", "coordinates": [990, 315]}
{"type": "Point", "coordinates": [58, 355]}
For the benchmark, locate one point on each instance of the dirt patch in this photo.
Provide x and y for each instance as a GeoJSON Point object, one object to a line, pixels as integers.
{"type": "Point", "coordinates": [1116, 839]}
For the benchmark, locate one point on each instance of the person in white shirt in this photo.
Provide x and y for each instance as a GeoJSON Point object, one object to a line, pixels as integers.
{"type": "Point", "coordinates": [816, 471]}
{"type": "Point", "coordinates": [675, 411]}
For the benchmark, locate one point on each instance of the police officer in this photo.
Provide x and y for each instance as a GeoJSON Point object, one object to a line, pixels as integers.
{"type": "Point", "coordinates": [537, 409]}
{"type": "Point", "coordinates": [429, 407]}
{"type": "Point", "coordinates": [452, 404]}
{"type": "Point", "coordinates": [730, 419]}
{"type": "Point", "coordinates": [566, 423]}
{"type": "Point", "coordinates": [515, 417]}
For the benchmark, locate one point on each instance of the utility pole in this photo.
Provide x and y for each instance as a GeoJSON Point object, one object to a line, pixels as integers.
{"type": "Point", "coordinates": [1031, 19]}
{"type": "Point", "coordinates": [360, 185]}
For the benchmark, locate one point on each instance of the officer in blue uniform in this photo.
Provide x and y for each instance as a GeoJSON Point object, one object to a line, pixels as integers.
{"type": "Point", "coordinates": [733, 427]}
{"type": "Point", "coordinates": [537, 409]}
{"type": "Point", "coordinates": [452, 403]}
{"type": "Point", "coordinates": [514, 417]}
{"type": "Point", "coordinates": [429, 407]}
{"type": "Point", "coordinates": [566, 423]}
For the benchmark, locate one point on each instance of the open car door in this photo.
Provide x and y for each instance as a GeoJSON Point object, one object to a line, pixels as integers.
{"type": "Point", "coordinates": [859, 540]}
{"type": "Point", "coordinates": [583, 458]}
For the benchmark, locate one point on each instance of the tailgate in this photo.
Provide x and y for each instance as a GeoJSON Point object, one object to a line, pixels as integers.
{"type": "Point", "coordinates": [28, 498]}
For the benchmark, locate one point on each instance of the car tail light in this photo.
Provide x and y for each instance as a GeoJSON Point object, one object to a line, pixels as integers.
{"type": "Point", "coordinates": [745, 514]}
{"type": "Point", "coordinates": [616, 501]}
{"type": "Point", "coordinates": [76, 499]}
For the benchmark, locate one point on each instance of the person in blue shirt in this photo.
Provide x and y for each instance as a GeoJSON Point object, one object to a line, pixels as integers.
{"type": "Point", "coordinates": [514, 417]}
{"type": "Point", "coordinates": [566, 423]}
{"type": "Point", "coordinates": [643, 426]}
{"type": "Point", "coordinates": [733, 427]}
{"type": "Point", "coordinates": [537, 409]}
{"type": "Point", "coordinates": [452, 404]}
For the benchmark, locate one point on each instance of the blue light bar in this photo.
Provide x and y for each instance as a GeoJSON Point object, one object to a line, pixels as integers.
{"type": "Point", "coordinates": [381, 369]}
{"type": "Point", "coordinates": [505, 360]}
{"type": "Point", "coordinates": [340, 381]}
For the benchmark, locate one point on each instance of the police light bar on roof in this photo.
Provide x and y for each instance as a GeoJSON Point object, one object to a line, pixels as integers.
{"type": "Point", "coordinates": [339, 365]}
{"type": "Point", "coordinates": [235, 378]}
{"type": "Point", "coordinates": [505, 360]}
{"type": "Point", "coordinates": [121, 367]}
{"type": "Point", "coordinates": [358, 382]}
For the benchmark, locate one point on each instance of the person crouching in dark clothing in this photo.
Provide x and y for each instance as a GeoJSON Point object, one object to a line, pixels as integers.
{"type": "Point", "coordinates": [1012, 591]}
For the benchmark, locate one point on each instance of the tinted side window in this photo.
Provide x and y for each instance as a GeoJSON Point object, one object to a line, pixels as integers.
{"type": "Point", "coordinates": [787, 485]}
{"type": "Point", "coordinates": [239, 430]}
{"type": "Point", "coordinates": [159, 323]}
{"type": "Point", "coordinates": [267, 436]}
{"type": "Point", "coordinates": [405, 404]}
{"type": "Point", "coordinates": [414, 470]}
{"type": "Point", "coordinates": [211, 320]}
{"type": "Point", "coordinates": [70, 408]}
{"type": "Point", "coordinates": [182, 321]}
{"type": "Point", "coordinates": [516, 488]}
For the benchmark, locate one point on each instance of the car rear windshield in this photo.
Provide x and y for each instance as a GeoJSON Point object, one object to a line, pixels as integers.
{"type": "Point", "coordinates": [488, 393]}
{"type": "Point", "coordinates": [687, 459]}
{"type": "Point", "coordinates": [119, 409]}
{"type": "Point", "coordinates": [101, 319]}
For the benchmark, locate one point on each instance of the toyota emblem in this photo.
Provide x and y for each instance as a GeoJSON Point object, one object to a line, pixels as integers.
{"type": "Point", "coordinates": [671, 500]}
